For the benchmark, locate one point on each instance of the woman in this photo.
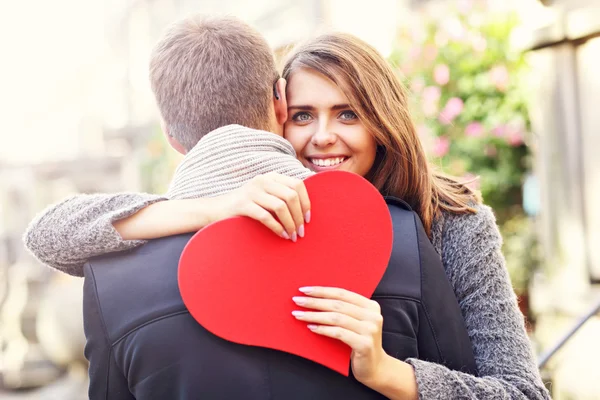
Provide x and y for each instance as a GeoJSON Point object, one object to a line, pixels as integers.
{"type": "Point", "coordinates": [348, 111]}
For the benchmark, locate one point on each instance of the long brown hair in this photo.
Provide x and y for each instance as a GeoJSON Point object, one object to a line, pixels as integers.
{"type": "Point", "coordinates": [401, 168]}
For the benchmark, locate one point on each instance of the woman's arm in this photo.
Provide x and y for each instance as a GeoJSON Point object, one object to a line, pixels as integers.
{"type": "Point", "coordinates": [167, 218]}
{"type": "Point", "coordinates": [65, 235]}
{"type": "Point", "coordinates": [279, 202]}
{"type": "Point", "coordinates": [503, 353]}
{"type": "Point", "coordinates": [475, 267]}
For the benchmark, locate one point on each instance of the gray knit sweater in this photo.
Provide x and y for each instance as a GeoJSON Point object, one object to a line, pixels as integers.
{"type": "Point", "coordinates": [65, 235]}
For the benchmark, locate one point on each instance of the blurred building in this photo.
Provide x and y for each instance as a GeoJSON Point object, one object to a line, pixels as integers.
{"type": "Point", "coordinates": [565, 55]}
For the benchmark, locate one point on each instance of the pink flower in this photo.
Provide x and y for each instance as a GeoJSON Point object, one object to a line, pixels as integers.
{"type": "Point", "coordinates": [471, 181]}
{"type": "Point", "coordinates": [417, 33]}
{"type": "Point", "coordinates": [441, 74]}
{"type": "Point", "coordinates": [465, 6]}
{"type": "Point", "coordinates": [499, 77]}
{"type": "Point", "coordinates": [515, 137]}
{"type": "Point", "coordinates": [414, 53]}
{"type": "Point", "coordinates": [431, 94]}
{"type": "Point", "coordinates": [407, 69]}
{"type": "Point", "coordinates": [430, 52]}
{"type": "Point", "coordinates": [479, 43]}
{"type": "Point", "coordinates": [424, 133]}
{"type": "Point", "coordinates": [454, 27]}
{"type": "Point", "coordinates": [499, 131]}
{"type": "Point", "coordinates": [474, 129]}
{"type": "Point", "coordinates": [453, 108]}
{"type": "Point", "coordinates": [441, 146]}
{"type": "Point", "coordinates": [417, 85]}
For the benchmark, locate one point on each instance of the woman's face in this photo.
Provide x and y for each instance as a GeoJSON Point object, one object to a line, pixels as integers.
{"type": "Point", "coordinates": [323, 129]}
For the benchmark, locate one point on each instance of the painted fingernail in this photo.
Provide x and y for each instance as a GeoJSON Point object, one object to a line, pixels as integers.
{"type": "Point", "coordinates": [298, 314]}
{"type": "Point", "coordinates": [299, 300]}
{"type": "Point", "coordinates": [294, 237]}
{"type": "Point", "coordinates": [285, 235]}
{"type": "Point", "coordinates": [311, 327]}
{"type": "Point", "coordinates": [307, 217]}
{"type": "Point", "coordinates": [306, 289]}
{"type": "Point", "coordinates": [301, 231]}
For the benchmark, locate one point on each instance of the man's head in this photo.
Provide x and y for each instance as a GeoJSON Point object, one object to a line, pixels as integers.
{"type": "Point", "coordinates": [208, 72]}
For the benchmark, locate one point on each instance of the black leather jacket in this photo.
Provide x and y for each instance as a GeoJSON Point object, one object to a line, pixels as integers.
{"type": "Point", "coordinates": [143, 344]}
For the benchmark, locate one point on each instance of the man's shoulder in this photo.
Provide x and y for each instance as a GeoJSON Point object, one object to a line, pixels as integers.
{"type": "Point", "coordinates": [136, 286]}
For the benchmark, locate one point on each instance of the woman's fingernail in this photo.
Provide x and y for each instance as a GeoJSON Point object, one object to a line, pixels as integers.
{"type": "Point", "coordinates": [307, 217]}
{"type": "Point", "coordinates": [294, 237]}
{"type": "Point", "coordinates": [311, 327]}
{"type": "Point", "coordinates": [299, 300]}
{"type": "Point", "coordinates": [297, 314]}
{"type": "Point", "coordinates": [306, 289]}
{"type": "Point", "coordinates": [285, 235]}
{"type": "Point", "coordinates": [301, 231]}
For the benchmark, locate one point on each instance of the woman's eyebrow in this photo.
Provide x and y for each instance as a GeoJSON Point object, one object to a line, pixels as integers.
{"type": "Point", "coordinates": [302, 107]}
{"type": "Point", "coordinates": [310, 108]}
{"type": "Point", "coordinates": [340, 106]}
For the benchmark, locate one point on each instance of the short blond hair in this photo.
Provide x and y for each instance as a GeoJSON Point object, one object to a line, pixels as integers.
{"type": "Point", "coordinates": [208, 72]}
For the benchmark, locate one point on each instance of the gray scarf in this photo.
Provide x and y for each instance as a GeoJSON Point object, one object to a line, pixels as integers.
{"type": "Point", "coordinates": [228, 157]}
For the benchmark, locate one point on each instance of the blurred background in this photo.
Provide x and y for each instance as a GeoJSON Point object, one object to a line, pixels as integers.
{"type": "Point", "coordinates": [501, 90]}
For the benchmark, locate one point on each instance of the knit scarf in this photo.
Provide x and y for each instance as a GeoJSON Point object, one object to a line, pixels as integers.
{"type": "Point", "coordinates": [228, 157]}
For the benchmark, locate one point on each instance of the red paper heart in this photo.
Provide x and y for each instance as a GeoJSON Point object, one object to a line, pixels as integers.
{"type": "Point", "coordinates": [237, 278]}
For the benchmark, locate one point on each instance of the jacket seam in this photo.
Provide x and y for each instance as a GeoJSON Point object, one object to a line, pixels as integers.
{"type": "Point", "coordinates": [105, 331]}
{"type": "Point", "coordinates": [395, 297]}
{"type": "Point", "coordinates": [97, 299]}
{"type": "Point", "coordinates": [173, 314]}
{"type": "Point", "coordinates": [437, 344]}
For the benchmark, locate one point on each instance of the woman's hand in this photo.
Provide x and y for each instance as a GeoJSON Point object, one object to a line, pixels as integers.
{"type": "Point", "coordinates": [351, 318]}
{"type": "Point", "coordinates": [266, 197]}
{"type": "Point", "coordinates": [357, 321]}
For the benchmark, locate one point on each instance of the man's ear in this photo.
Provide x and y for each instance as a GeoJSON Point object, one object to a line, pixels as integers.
{"type": "Point", "coordinates": [174, 143]}
{"type": "Point", "coordinates": [280, 101]}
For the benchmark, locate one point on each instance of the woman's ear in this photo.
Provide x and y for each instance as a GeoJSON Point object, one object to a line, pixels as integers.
{"type": "Point", "coordinates": [280, 101]}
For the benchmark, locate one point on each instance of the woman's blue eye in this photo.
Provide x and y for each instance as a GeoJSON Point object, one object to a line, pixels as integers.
{"type": "Point", "coordinates": [301, 117]}
{"type": "Point", "coordinates": [348, 115]}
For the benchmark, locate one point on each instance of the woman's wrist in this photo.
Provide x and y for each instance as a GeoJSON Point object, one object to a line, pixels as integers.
{"type": "Point", "coordinates": [205, 211]}
{"type": "Point", "coordinates": [395, 379]}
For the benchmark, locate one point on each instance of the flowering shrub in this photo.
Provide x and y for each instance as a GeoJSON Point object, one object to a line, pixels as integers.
{"type": "Point", "coordinates": [468, 98]}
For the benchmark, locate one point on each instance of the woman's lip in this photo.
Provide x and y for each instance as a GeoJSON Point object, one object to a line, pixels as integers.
{"type": "Point", "coordinates": [326, 156]}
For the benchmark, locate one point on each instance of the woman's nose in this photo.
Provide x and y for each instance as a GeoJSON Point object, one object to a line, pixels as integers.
{"type": "Point", "coordinates": [323, 137]}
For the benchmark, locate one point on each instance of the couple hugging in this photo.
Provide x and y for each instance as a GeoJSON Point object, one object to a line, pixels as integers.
{"type": "Point", "coordinates": [447, 327]}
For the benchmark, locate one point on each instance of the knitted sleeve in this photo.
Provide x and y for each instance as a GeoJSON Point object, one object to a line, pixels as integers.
{"type": "Point", "coordinates": [476, 268]}
{"type": "Point", "coordinates": [65, 235]}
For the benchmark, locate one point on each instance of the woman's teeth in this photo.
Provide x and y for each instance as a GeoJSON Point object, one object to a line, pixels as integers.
{"type": "Point", "coordinates": [327, 162]}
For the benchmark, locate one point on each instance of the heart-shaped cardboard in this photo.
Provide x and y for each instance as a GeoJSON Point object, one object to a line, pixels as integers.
{"type": "Point", "coordinates": [237, 278]}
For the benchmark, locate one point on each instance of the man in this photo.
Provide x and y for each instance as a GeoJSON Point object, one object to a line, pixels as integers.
{"type": "Point", "coordinates": [141, 341]}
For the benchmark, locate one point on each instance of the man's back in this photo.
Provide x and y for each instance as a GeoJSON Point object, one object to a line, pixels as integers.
{"type": "Point", "coordinates": [142, 342]}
